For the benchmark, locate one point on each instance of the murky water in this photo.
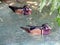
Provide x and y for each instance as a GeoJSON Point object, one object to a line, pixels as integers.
{"type": "Point", "coordinates": [11, 34]}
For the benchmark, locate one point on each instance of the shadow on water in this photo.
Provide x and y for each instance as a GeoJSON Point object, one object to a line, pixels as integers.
{"type": "Point", "coordinates": [11, 34]}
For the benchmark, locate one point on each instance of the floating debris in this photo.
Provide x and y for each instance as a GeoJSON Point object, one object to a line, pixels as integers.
{"type": "Point", "coordinates": [0, 2]}
{"type": "Point", "coordinates": [52, 24]}
{"type": "Point", "coordinates": [1, 7]}
{"type": "Point", "coordinates": [23, 30]}
{"type": "Point", "coordinates": [30, 22]}
{"type": "Point", "coordinates": [11, 4]}
{"type": "Point", "coordinates": [1, 19]}
{"type": "Point", "coordinates": [30, 18]}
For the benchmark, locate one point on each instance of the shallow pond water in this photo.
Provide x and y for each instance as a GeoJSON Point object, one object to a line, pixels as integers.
{"type": "Point", "coordinates": [11, 34]}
